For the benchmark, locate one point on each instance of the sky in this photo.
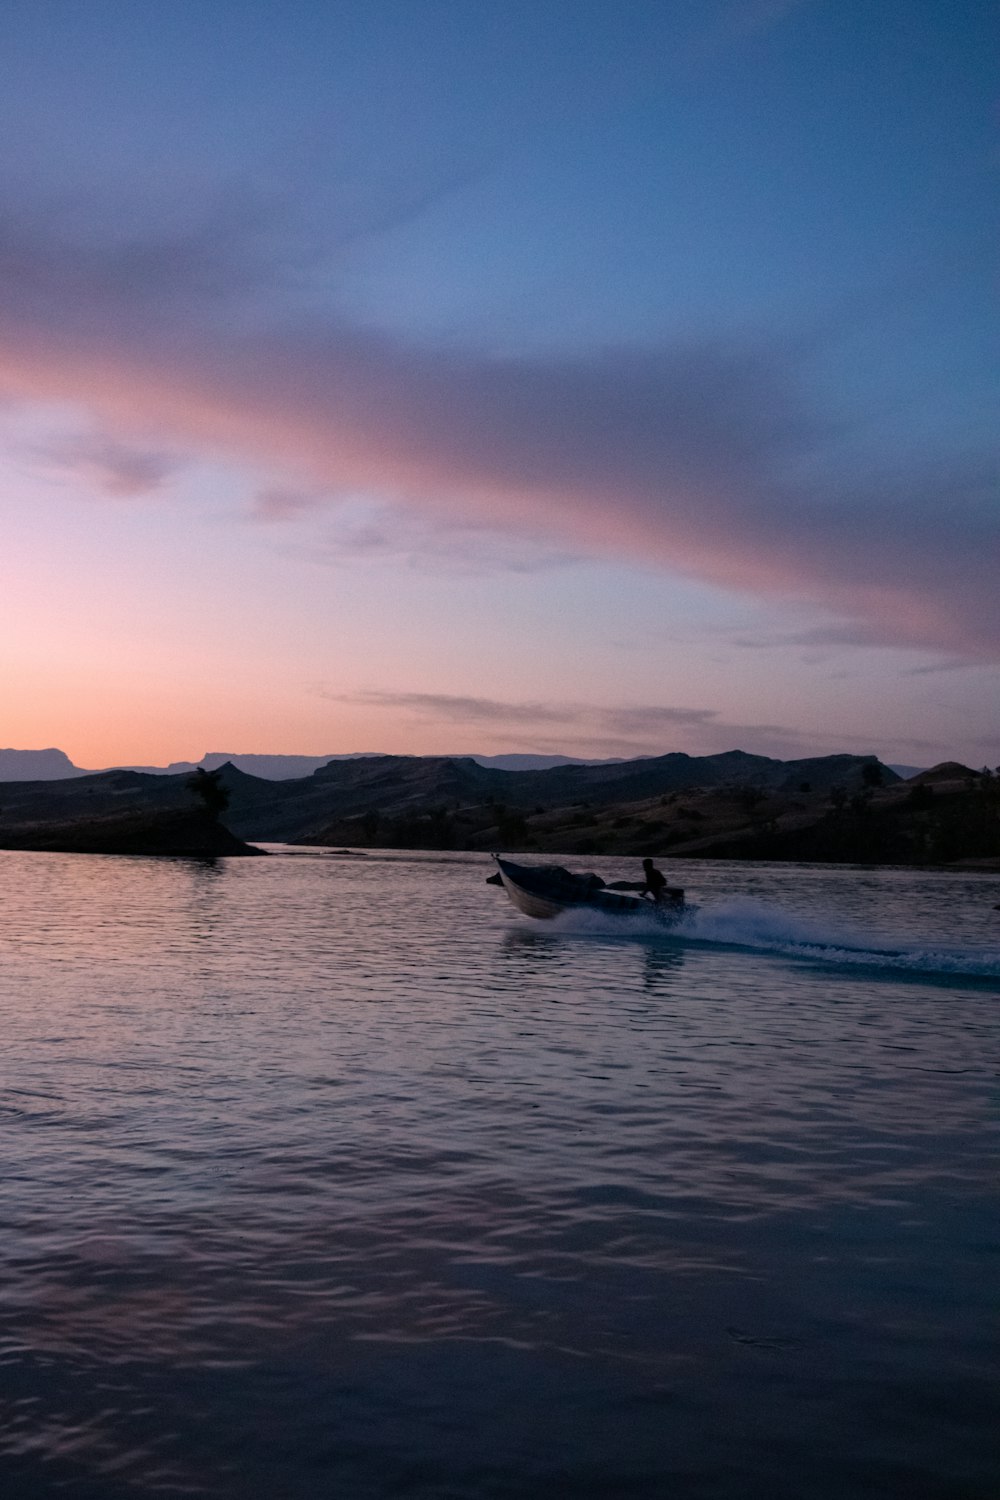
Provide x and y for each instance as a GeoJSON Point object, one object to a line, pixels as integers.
{"type": "Point", "coordinates": [449, 376]}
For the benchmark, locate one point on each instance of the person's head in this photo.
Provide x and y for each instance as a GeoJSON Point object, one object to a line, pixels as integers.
{"type": "Point", "coordinates": [647, 864]}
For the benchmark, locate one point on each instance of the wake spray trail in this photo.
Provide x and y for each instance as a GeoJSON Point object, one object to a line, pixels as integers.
{"type": "Point", "coordinates": [755, 924]}
{"type": "Point", "coordinates": [760, 927]}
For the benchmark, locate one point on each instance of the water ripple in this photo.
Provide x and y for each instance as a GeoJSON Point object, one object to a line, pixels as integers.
{"type": "Point", "coordinates": [339, 1177]}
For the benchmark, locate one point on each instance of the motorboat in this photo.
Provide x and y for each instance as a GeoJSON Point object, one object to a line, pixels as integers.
{"type": "Point", "coordinates": [546, 891]}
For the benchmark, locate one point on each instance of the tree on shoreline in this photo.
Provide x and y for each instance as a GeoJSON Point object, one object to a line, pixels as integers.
{"type": "Point", "coordinates": [207, 787]}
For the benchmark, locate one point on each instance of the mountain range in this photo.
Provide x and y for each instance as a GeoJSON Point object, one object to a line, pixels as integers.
{"type": "Point", "coordinates": [402, 792]}
{"type": "Point", "coordinates": [55, 765]}
{"type": "Point", "coordinates": [846, 808]}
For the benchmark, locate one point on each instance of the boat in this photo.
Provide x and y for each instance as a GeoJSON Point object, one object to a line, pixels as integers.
{"type": "Point", "coordinates": [546, 891]}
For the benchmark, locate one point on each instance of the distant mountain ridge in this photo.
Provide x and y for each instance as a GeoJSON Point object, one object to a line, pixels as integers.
{"type": "Point", "coordinates": [54, 765]}
{"type": "Point", "coordinates": [36, 765]}
{"type": "Point", "coordinates": [288, 767]}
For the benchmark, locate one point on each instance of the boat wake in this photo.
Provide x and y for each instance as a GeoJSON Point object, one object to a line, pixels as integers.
{"type": "Point", "coordinates": [761, 927]}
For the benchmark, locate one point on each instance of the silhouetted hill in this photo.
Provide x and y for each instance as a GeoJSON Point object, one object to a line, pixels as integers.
{"type": "Point", "coordinates": [948, 770]}
{"type": "Point", "coordinates": [869, 818]}
{"type": "Point", "coordinates": [89, 793]}
{"type": "Point", "coordinates": [920, 822]}
{"type": "Point", "coordinates": [175, 832]}
{"type": "Point", "coordinates": [36, 765]}
{"type": "Point", "coordinates": [397, 795]}
{"type": "Point", "coordinates": [394, 787]}
{"type": "Point", "coordinates": [399, 785]}
{"type": "Point", "coordinates": [733, 805]}
{"type": "Point", "coordinates": [524, 762]}
{"type": "Point", "coordinates": [112, 812]}
{"type": "Point", "coordinates": [287, 811]}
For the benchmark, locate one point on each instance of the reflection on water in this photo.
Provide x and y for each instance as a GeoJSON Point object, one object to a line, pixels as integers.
{"type": "Point", "coordinates": [644, 956]}
{"type": "Point", "coordinates": [338, 1177]}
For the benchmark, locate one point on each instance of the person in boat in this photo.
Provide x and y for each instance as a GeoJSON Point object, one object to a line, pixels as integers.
{"type": "Point", "coordinates": [655, 885]}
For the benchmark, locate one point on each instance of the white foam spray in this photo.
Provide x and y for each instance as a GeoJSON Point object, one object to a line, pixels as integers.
{"type": "Point", "coordinates": [743, 922]}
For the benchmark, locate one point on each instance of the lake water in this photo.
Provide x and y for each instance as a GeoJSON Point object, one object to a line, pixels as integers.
{"type": "Point", "coordinates": [338, 1178]}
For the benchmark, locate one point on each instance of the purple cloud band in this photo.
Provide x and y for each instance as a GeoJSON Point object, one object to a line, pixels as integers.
{"type": "Point", "coordinates": [705, 459]}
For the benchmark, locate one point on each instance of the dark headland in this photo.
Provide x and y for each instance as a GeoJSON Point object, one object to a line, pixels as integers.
{"type": "Point", "coordinates": [838, 808]}
{"type": "Point", "coordinates": [117, 812]}
{"type": "Point", "coordinates": [178, 834]}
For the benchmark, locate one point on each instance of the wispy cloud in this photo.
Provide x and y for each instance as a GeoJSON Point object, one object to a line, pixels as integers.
{"type": "Point", "coordinates": [704, 458]}
{"type": "Point", "coordinates": [929, 669]}
{"type": "Point", "coordinates": [277, 503]}
{"type": "Point", "coordinates": [435, 543]}
{"type": "Point", "coordinates": [105, 465]}
{"type": "Point", "coordinates": [455, 709]}
{"type": "Point", "coordinates": [628, 730]}
{"type": "Point", "coordinates": [363, 531]}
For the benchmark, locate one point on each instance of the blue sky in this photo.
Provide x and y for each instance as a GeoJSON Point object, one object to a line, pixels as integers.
{"type": "Point", "coordinates": [451, 376]}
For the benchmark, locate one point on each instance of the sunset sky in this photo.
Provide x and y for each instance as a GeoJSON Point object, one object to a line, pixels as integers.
{"type": "Point", "coordinates": [492, 375]}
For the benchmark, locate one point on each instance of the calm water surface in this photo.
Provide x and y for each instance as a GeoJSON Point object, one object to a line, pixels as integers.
{"type": "Point", "coordinates": [328, 1177]}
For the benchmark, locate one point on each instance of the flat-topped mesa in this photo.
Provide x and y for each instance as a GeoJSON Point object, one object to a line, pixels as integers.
{"type": "Point", "coordinates": [36, 765]}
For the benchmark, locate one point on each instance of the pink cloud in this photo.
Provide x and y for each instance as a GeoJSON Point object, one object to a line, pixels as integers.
{"type": "Point", "coordinates": [704, 459]}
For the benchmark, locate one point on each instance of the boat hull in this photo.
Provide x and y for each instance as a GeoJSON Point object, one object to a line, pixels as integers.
{"type": "Point", "coordinates": [530, 889]}
{"type": "Point", "coordinates": [529, 903]}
